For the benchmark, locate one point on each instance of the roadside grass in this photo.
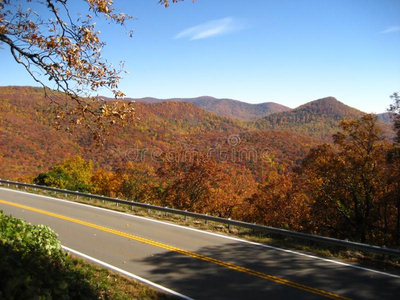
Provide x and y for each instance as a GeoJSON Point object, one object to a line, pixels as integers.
{"type": "Point", "coordinates": [366, 259]}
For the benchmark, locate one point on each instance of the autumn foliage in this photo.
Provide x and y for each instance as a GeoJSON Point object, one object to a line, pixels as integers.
{"type": "Point", "coordinates": [72, 174]}
{"type": "Point", "coordinates": [279, 202]}
{"type": "Point", "coordinates": [178, 155]}
{"type": "Point", "coordinates": [348, 189]}
{"type": "Point", "coordinates": [60, 48]}
{"type": "Point", "coordinates": [350, 184]}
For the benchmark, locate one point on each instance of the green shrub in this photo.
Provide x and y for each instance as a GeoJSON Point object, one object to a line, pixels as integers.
{"type": "Point", "coordinates": [33, 265]}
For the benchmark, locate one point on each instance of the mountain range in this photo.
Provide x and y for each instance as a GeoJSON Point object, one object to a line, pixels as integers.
{"type": "Point", "coordinates": [318, 119]}
{"type": "Point", "coordinates": [225, 107]}
{"type": "Point", "coordinates": [30, 144]}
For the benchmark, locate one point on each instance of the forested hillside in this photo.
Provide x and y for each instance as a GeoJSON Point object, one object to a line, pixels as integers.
{"type": "Point", "coordinates": [31, 144]}
{"type": "Point", "coordinates": [28, 142]}
{"type": "Point", "coordinates": [319, 118]}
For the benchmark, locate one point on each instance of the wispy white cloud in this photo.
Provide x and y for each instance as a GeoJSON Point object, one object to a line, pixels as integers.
{"type": "Point", "coordinates": [391, 29]}
{"type": "Point", "coordinates": [209, 29]}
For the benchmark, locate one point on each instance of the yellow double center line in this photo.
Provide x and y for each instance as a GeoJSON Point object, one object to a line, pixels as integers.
{"type": "Point", "coordinates": [184, 252]}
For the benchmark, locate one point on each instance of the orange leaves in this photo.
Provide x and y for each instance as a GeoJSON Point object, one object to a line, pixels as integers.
{"type": "Point", "coordinates": [106, 7]}
{"type": "Point", "coordinates": [206, 186]}
{"type": "Point", "coordinates": [348, 183]}
{"type": "Point", "coordinates": [133, 181]}
{"type": "Point", "coordinates": [279, 203]}
{"type": "Point", "coordinates": [167, 2]}
{"type": "Point", "coordinates": [106, 183]}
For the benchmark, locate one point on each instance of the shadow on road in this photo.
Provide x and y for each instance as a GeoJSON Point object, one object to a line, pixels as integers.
{"type": "Point", "coordinates": [205, 280]}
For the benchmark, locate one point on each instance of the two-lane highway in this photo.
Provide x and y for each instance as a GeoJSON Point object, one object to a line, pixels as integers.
{"type": "Point", "coordinates": [199, 264]}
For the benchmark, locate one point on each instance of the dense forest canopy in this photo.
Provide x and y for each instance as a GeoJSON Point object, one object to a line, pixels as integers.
{"type": "Point", "coordinates": [179, 155]}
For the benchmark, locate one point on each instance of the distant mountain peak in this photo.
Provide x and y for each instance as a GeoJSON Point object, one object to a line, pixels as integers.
{"type": "Point", "coordinates": [319, 118]}
{"type": "Point", "coordinates": [322, 101]}
{"type": "Point", "coordinates": [328, 106]}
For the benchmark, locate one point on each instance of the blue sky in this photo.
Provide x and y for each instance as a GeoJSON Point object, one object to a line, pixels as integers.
{"type": "Point", "coordinates": [286, 51]}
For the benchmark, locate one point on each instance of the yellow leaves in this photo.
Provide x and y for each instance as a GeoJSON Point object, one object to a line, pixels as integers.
{"type": "Point", "coordinates": [3, 29]}
{"type": "Point", "coordinates": [119, 94]}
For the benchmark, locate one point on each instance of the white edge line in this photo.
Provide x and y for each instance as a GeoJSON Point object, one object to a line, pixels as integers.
{"type": "Point", "coordinates": [211, 233]}
{"type": "Point", "coordinates": [136, 277]}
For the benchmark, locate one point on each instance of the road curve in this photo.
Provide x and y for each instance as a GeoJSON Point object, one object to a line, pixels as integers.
{"type": "Point", "coordinates": [195, 263]}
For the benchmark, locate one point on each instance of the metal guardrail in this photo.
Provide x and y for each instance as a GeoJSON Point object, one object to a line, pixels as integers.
{"type": "Point", "coordinates": [268, 229]}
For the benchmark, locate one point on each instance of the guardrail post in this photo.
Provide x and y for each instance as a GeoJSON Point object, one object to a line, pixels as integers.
{"type": "Point", "coordinates": [132, 206]}
{"type": "Point", "coordinates": [206, 221]}
{"type": "Point", "coordinates": [148, 210]}
{"type": "Point", "coordinates": [116, 202]}
{"type": "Point", "coordinates": [186, 216]}
{"type": "Point", "coordinates": [166, 213]}
{"type": "Point", "coordinates": [229, 225]}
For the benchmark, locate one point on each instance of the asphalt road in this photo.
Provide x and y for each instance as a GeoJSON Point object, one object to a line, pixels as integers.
{"type": "Point", "coordinates": [198, 264]}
